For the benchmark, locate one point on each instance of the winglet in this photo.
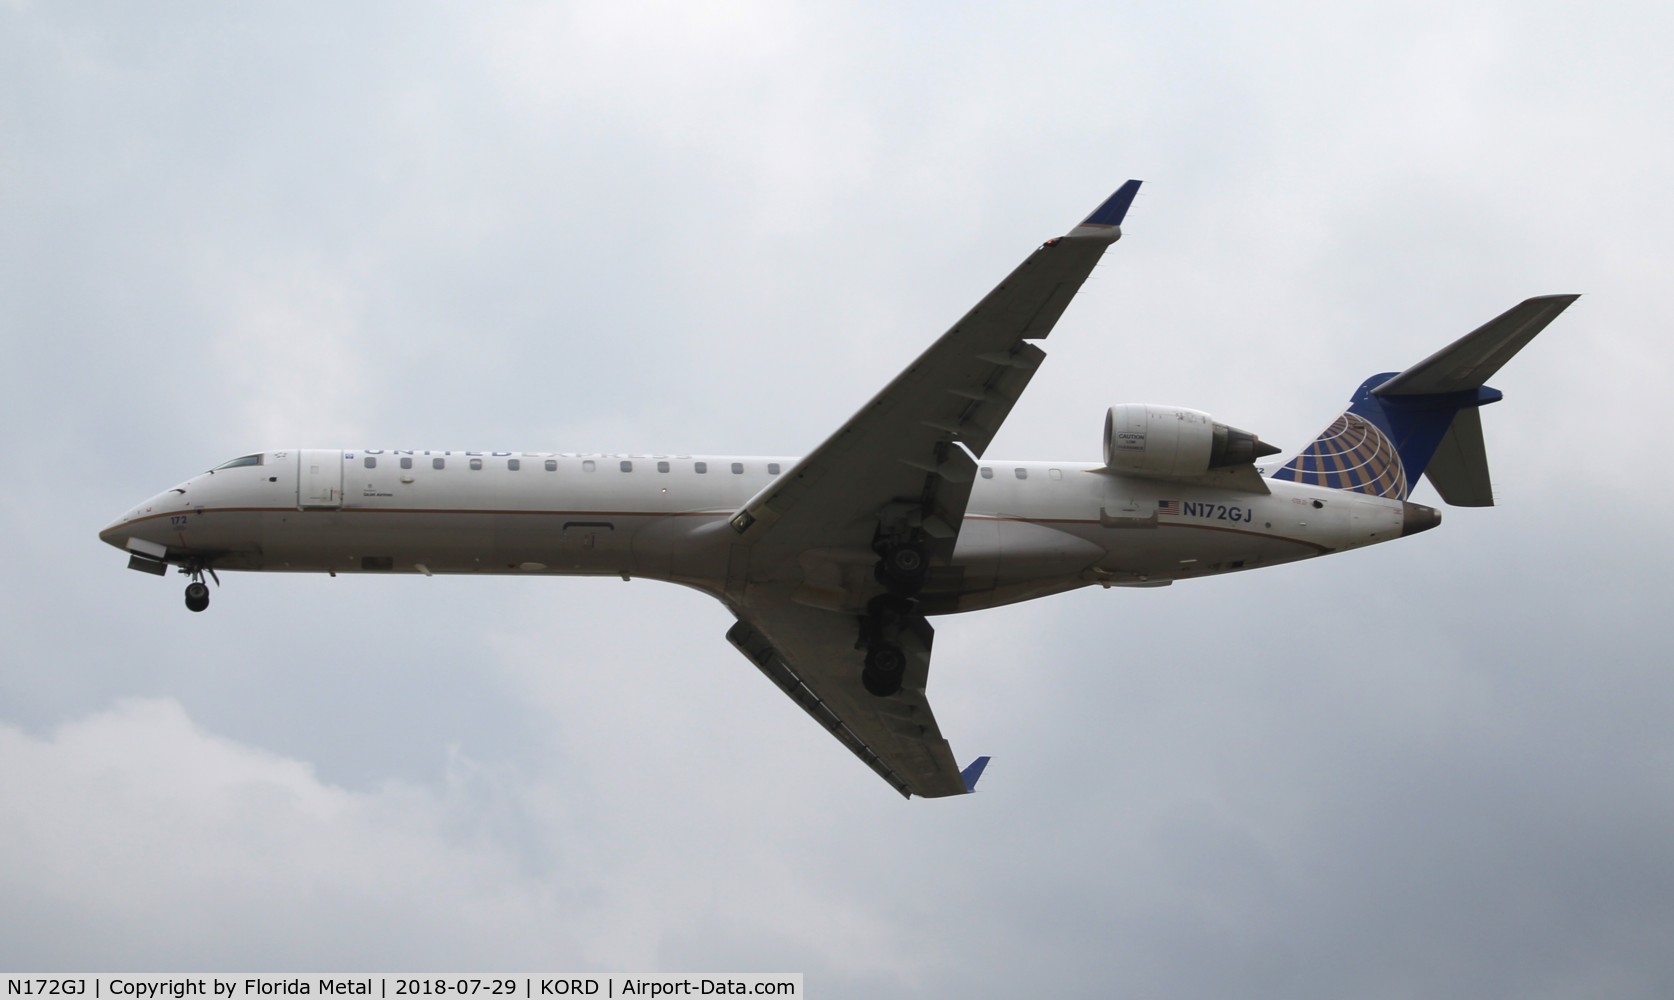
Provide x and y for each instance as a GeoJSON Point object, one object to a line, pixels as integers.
{"type": "Point", "coordinates": [1107, 218]}
{"type": "Point", "coordinates": [972, 772]}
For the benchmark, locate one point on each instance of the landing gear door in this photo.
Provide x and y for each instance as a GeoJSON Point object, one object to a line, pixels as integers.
{"type": "Point", "coordinates": [319, 479]}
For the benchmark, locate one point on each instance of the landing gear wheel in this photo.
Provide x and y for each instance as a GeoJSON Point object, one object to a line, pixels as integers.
{"type": "Point", "coordinates": [197, 592]}
{"type": "Point", "coordinates": [197, 596]}
{"type": "Point", "coordinates": [905, 561]}
{"type": "Point", "coordinates": [903, 569]}
{"type": "Point", "coordinates": [885, 665]}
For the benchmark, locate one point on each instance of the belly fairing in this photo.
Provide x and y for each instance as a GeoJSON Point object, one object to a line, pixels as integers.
{"type": "Point", "coordinates": [1005, 560]}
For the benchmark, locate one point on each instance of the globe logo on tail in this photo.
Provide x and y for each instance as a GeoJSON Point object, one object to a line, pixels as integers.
{"type": "Point", "coordinates": [1352, 454]}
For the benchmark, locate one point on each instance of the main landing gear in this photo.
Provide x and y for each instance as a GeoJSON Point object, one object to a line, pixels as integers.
{"type": "Point", "coordinates": [902, 569]}
{"type": "Point", "coordinates": [886, 661]}
{"type": "Point", "coordinates": [197, 592]}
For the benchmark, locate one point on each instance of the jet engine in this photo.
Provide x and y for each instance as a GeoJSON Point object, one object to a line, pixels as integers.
{"type": "Point", "coordinates": [1149, 440]}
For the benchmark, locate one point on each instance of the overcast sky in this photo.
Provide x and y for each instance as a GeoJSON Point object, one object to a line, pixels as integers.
{"type": "Point", "coordinates": [1438, 768]}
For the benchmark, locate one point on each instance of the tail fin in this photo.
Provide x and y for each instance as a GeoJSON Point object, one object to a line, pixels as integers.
{"type": "Point", "coordinates": [1425, 420]}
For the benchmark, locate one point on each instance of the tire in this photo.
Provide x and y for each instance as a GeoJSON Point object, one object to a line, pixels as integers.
{"type": "Point", "coordinates": [905, 561]}
{"type": "Point", "coordinates": [880, 685]}
{"type": "Point", "coordinates": [903, 569]}
{"type": "Point", "coordinates": [886, 664]}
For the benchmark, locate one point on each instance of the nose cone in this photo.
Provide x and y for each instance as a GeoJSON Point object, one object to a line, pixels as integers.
{"type": "Point", "coordinates": [121, 532]}
{"type": "Point", "coordinates": [141, 522]}
{"type": "Point", "coordinates": [1416, 517]}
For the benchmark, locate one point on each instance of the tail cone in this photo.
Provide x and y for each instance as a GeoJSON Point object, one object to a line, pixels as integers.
{"type": "Point", "coordinates": [1416, 517]}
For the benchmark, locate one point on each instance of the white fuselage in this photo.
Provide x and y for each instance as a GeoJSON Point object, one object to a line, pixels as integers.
{"type": "Point", "coordinates": [1031, 528]}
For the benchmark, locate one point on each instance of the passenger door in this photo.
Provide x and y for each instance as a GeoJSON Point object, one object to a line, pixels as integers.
{"type": "Point", "coordinates": [319, 479]}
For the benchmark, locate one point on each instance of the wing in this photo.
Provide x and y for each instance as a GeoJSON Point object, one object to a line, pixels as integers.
{"type": "Point", "coordinates": [902, 467]}
{"type": "Point", "coordinates": [900, 449]}
{"type": "Point", "coordinates": [809, 653]}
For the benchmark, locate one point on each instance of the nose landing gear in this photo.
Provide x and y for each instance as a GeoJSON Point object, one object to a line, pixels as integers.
{"type": "Point", "coordinates": [197, 596]}
{"type": "Point", "coordinates": [197, 592]}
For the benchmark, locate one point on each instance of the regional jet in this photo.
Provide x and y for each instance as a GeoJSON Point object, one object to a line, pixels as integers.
{"type": "Point", "coordinates": [834, 563]}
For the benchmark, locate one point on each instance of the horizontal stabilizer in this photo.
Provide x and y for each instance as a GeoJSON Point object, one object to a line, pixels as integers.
{"type": "Point", "coordinates": [1473, 359]}
{"type": "Point", "coordinates": [1459, 468]}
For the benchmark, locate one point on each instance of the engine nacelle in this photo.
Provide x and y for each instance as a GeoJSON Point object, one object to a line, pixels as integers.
{"type": "Point", "coordinates": [1153, 440]}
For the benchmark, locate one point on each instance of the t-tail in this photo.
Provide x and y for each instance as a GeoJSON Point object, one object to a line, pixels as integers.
{"type": "Point", "coordinates": [1425, 420]}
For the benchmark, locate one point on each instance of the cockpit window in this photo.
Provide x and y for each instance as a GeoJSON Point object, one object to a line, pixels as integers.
{"type": "Point", "coordinates": [235, 463]}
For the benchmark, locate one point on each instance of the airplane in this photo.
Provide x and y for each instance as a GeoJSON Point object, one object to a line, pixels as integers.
{"type": "Point", "coordinates": [834, 563]}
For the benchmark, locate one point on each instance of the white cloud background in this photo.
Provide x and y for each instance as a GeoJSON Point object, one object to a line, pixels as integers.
{"type": "Point", "coordinates": [1439, 768]}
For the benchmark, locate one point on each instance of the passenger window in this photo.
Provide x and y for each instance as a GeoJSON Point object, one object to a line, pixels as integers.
{"type": "Point", "coordinates": [371, 463]}
{"type": "Point", "coordinates": [987, 473]}
{"type": "Point", "coordinates": [1022, 473]}
{"type": "Point", "coordinates": [700, 467]}
{"type": "Point", "coordinates": [738, 468]}
{"type": "Point", "coordinates": [552, 465]}
{"type": "Point", "coordinates": [627, 466]}
{"type": "Point", "coordinates": [587, 465]}
{"type": "Point", "coordinates": [662, 466]}
{"type": "Point", "coordinates": [437, 463]}
{"type": "Point", "coordinates": [773, 468]}
{"type": "Point", "coordinates": [1054, 473]}
{"type": "Point", "coordinates": [513, 464]}
{"type": "Point", "coordinates": [476, 465]}
{"type": "Point", "coordinates": [406, 463]}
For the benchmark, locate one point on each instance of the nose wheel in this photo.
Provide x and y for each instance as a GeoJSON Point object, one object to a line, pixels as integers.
{"type": "Point", "coordinates": [197, 596]}
{"type": "Point", "coordinates": [197, 592]}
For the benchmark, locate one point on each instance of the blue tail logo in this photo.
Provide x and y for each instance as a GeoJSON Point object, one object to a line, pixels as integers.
{"type": "Point", "coordinates": [1351, 454]}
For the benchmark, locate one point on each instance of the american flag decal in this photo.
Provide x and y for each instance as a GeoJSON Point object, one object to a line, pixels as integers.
{"type": "Point", "coordinates": [1168, 507]}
